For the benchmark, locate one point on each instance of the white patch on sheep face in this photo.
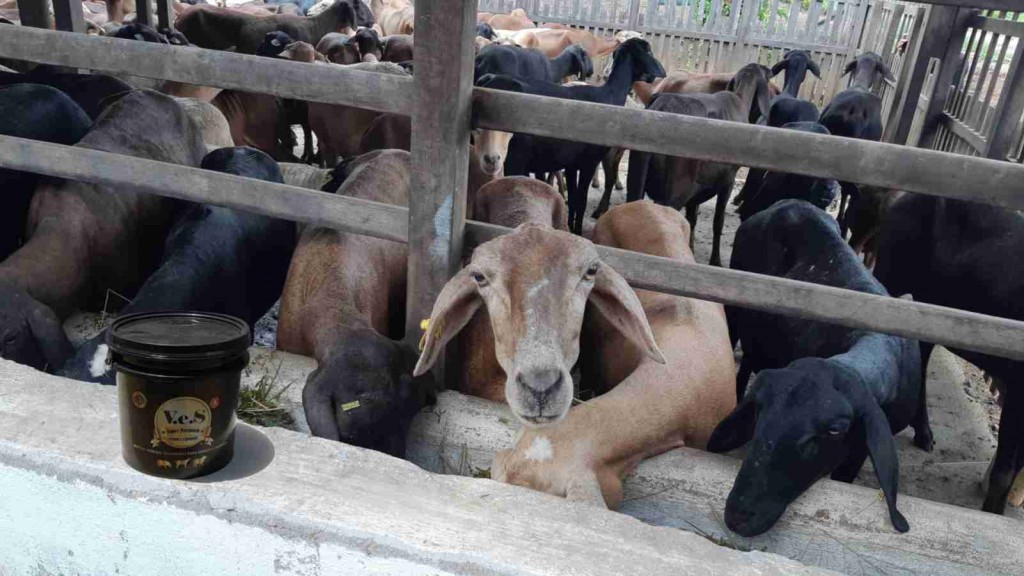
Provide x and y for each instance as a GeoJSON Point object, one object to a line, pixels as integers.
{"type": "Point", "coordinates": [540, 450]}
{"type": "Point", "coordinates": [98, 366]}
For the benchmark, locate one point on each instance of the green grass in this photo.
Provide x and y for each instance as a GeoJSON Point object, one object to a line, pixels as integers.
{"type": "Point", "coordinates": [260, 404]}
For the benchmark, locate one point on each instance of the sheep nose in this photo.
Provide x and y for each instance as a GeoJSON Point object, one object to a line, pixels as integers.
{"type": "Point", "coordinates": [541, 382]}
{"type": "Point", "coordinates": [492, 159]}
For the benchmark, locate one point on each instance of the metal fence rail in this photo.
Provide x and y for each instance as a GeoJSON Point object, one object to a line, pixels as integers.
{"type": "Point", "coordinates": [999, 183]}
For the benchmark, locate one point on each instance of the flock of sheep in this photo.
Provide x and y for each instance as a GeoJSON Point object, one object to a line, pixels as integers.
{"type": "Point", "coordinates": [537, 316]}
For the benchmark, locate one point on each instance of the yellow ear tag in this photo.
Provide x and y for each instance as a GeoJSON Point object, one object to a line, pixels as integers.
{"type": "Point", "coordinates": [350, 406]}
{"type": "Point", "coordinates": [424, 324]}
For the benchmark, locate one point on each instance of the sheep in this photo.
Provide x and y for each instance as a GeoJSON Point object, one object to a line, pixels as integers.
{"type": "Point", "coordinates": [344, 303]}
{"type": "Point", "coordinates": [856, 113]}
{"type": "Point", "coordinates": [785, 108]}
{"type": "Point", "coordinates": [825, 397]}
{"type": "Point", "coordinates": [679, 182]}
{"type": "Point", "coordinates": [633, 61]}
{"type": "Point", "coordinates": [534, 285]}
{"type": "Point", "coordinates": [775, 186]}
{"type": "Point", "coordinates": [533, 64]}
{"type": "Point", "coordinates": [962, 254]}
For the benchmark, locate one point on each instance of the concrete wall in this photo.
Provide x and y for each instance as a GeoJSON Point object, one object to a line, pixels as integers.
{"type": "Point", "coordinates": [292, 504]}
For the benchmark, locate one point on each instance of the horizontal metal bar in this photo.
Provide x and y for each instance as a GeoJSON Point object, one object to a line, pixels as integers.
{"type": "Point", "coordinates": [938, 324]}
{"type": "Point", "coordinates": [933, 323]}
{"type": "Point", "coordinates": [997, 25]}
{"type": "Point", "coordinates": [312, 82]}
{"type": "Point", "coordinates": [197, 185]}
{"type": "Point", "coordinates": [961, 130]}
{"type": "Point", "coordinates": [847, 159]}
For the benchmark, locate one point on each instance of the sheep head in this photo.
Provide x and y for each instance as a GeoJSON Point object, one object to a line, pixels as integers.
{"type": "Point", "coordinates": [535, 284]}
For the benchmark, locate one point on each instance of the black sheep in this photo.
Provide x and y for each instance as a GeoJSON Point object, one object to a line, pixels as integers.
{"type": "Point", "coordinates": [825, 397]}
{"type": "Point", "coordinates": [961, 254]}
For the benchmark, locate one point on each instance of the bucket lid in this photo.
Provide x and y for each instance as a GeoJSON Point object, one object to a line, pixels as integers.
{"type": "Point", "coordinates": [179, 337]}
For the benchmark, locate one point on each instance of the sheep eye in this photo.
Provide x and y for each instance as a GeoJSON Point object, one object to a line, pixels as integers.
{"type": "Point", "coordinates": [592, 270]}
{"type": "Point", "coordinates": [479, 278]}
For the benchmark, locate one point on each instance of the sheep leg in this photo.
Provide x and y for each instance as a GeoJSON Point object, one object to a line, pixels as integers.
{"type": "Point", "coordinates": [719, 223]}
{"type": "Point", "coordinates": [923, 438]}
{"type": "Point", "coordinates": [616, 161]}
{"type": "Point", "coordinates": [751, 186]}
{"type": "Point", "coordinates": [573, 183]}
{"type": "Point", "coordinates": [692, 211]}
{"type": "Point", "coordinates": [610, 178]}
{"type": "Point", "coordinates": [636, 175]}
{"type": "Point", "coordinates": [584, 176]}
{"type": "Point", "coordinates": [1009, 460]}
{"type": "Point", "coordinates": [596, 181]}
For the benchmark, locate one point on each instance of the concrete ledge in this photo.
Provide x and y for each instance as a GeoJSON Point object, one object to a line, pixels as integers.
{"type": "Point", "coordinates": [72, 506]}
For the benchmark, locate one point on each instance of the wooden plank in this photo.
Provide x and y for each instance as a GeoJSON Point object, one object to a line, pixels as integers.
{"type": "Point", "coordinates": [854, 309]}
{"type": "Point", "coordinates": [633, 19]}
{"type": "Point", "coordinates": [804, 300]}
{"type": "Point", "coordinates": [34, 13]}
{"type": "Point", "coordinates": [986, 103]}
{"type": "Point", "coordinates": [931, 43]}
{"type": "Point", "coordinates": [998, 25]}
{"type": "Point", "coordinates": [68, 15]}
{"type": "Point", "coordinates": [904, 71]}
{"type": "Point", "coordinates": [205, 186]}
{"type": "Point", "coordinates": [891, 166]}
{"type": "Point", "coordinates": [164, 13]}
{"type": "Point", "coordinates": [443, 88]}
{"type": "Point", "coordinates": [1009, 110]}
{"type": "Point", "coordinates": [938, 100]}
{"type": "Point", "coordinates": [311, 82]}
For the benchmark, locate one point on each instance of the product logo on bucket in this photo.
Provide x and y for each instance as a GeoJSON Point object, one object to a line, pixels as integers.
{"type": "Point", "coordinates": [139, 399]}
{"type": "Point", "coordinates": [182, 423]}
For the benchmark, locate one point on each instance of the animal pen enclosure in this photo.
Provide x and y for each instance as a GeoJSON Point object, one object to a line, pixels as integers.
{"type": "Point", "coordinates": [443, 105]}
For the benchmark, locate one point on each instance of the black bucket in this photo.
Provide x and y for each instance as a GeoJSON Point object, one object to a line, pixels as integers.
{"type": "Point", "coordinates": [178, 376]}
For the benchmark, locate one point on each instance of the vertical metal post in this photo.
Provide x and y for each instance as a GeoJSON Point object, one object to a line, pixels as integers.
{"type": "Point", "coordinates": [144, 11]}
{"type": "Point", "coordinates": [68, 15]}
{"type": "Point", "coordinates": [164, 13]}
{"type": "Point", "coordinates": [443, 85]}
{"type": "Point", "coordinates": [937, 34]}
{"type": "Point", "coordinates": [35, 13]}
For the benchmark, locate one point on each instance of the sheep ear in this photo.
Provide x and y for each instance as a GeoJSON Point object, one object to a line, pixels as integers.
{"type": "Point", "coordinates": [454, 308]}
{"type": "Point", "coordinates": [813, 67]}
{"type": "Point", "coordinates": [778, 68]}
{"type": "Point", "coordinates": [881, 448]}
{"type": "Point", "coordinates": [731, 86]}
{"type": "Point", "coordinates": [736, 429]}
{"type": "Point", "coordinates": [763, 100]}
{"type": "Point", "coordinates": [850, 67]}
{"type": "Point", "coordinates": [618, 304]}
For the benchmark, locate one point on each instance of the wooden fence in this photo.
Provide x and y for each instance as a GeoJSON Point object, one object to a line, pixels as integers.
{"type": "Point", "coordinates": [723, 35]}
{"type": "Point", "coordinates": [435, 226]}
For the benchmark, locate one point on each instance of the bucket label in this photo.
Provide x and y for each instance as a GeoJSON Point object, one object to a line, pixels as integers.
{"type": "Point", "coordinates": [182, 423]}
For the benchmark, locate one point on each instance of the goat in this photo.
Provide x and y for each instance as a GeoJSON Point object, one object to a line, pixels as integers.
{"type": "Point", "coordinates": [961, 254]}
{"type": "Point", "coordinates": [552, 42]}
{"type": "Point", "coordinates": [515, 20]}
{"type": "Point", "coordinates": [82, 239]}
{"type": "Point", "coordinates": [825, 397]}
{"type": "Point", "coordinates": [785, 108]}
{"type": "Point", "coordinates": [633, 61]}
{"type": "Point", "coordinates": [221, 28]}
{"type": "Point", "coordinates": [215, 260]}
{"type": "Point", "coordinates": [344, 304]}
{"type": "Point", "coordinates": [775, 186]}
{"type": "Point", "coordinates": [856, 113]}
{"type": "Point", "coordinates": [679, 182]}
{"type": "Point", "coordinates": [698, 83]}
{"type": "Point", "coordinates": [36, 112]}
{"type": "Point", "coordinates": [533, 64]}
{"type": "Point", "coordinates": [535, 285]}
